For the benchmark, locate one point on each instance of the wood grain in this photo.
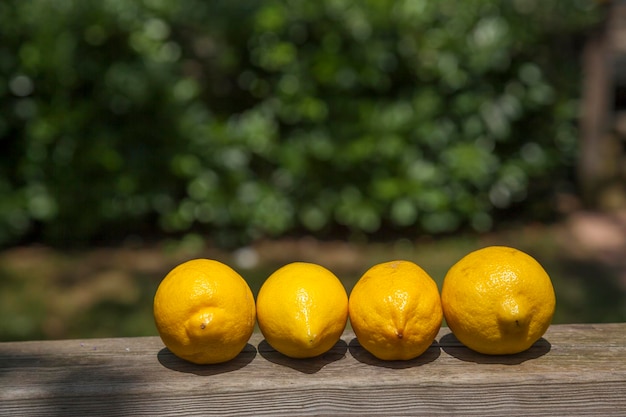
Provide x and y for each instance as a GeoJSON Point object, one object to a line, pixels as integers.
{"type": "Point", "coordinates": [573, 370]}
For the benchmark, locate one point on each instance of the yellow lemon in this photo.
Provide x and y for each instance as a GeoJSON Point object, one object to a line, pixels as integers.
{"type": "Point", "coordinates": [302, 310]}
{"type": "Point", "coordinates": [395, 310]}
{"type": "Point", "coordinates": [498, 300]}
{"type": "Point", "coordinates": [204, 311]}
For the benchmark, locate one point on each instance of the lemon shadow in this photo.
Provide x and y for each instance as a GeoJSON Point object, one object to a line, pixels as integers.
{"type": "Point", "coordinates": [304, 365]}
{"type": "Point", "coordinates": [360, 354]}
{"type": "Point", "coordinates": [173, 362]}
{"type": "Point", "coordinates": [453, 347]}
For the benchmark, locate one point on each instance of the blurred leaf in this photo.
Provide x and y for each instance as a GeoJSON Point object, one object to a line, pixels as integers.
{"type": "Point", "coordinates": [239, 120]}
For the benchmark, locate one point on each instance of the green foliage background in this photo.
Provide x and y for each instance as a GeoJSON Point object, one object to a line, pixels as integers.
{"type": "Point", "coordinates": [248, 119]}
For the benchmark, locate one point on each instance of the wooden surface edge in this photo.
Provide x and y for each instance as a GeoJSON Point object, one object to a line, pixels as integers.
{"type": "Point", "coordinates": [576, 369]}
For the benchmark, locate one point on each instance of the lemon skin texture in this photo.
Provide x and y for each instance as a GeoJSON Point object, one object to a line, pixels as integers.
{"type": "Point", "coordinates": [498, 300]}
{"type": "Point", "coordinates": [204, 311]}
{"type": "Point", "coordinates": [302, 310]}
{"type": "Point", "coordinates": [395, 310]}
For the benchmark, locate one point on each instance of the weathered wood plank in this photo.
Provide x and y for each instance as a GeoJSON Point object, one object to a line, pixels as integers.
{"type": "Point", "coordinates": [574, 370]}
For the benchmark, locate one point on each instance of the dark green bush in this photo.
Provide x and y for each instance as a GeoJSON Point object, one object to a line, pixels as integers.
{"type": "Point", "coordinates": [245, 119]}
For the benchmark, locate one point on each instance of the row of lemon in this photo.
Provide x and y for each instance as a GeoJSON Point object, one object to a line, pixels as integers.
{"type": "Point", "coordinates": [496, 300]}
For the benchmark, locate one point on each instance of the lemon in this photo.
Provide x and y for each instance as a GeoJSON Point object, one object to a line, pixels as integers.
{"type": "Point", "coordinates": [302, 310]}
{"type": "Point", "coordinates": [498, 300]}
{"type": "Point", "coordinates": [395, 310]}
{"type": "Point", "coordinates": [204, 311]}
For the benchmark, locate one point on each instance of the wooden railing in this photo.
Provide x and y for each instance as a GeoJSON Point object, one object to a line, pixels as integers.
{"type": "Point", "coordinates": [573, 370]}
